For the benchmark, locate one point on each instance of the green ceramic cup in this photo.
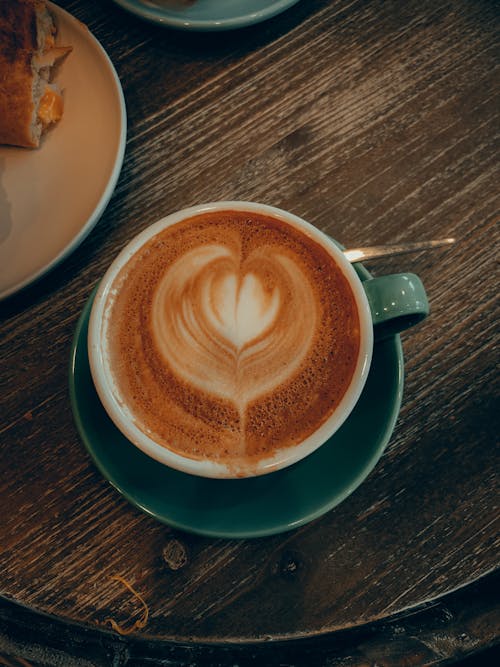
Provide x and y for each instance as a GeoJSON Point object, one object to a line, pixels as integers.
{"type": "Point", "coordinates": [397, 302]}
{"type": "Point", "coordinates": [385, 306]}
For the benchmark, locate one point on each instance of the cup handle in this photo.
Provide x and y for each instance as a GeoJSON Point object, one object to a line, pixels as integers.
{"type": "Point", "coordinates": [397, 302]}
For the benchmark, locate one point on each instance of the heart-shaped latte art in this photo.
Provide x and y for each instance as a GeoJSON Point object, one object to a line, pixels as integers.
{"type": "Point", "coordinates": [235, 329]}
{"type": "Point", "coordinates": [239, 311]}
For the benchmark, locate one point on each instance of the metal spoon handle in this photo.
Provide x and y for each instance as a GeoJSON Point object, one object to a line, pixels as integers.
{"type": "Point", "coordinates": [360, 254]}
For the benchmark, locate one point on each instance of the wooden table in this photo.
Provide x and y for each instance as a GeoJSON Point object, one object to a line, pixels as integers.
{"type": "Point", "coordinates": [378, 122]}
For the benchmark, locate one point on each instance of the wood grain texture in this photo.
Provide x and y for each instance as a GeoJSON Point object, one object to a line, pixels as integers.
{"type": "Point", "coordinates": [377, 122]}
{"type": "Point", "coordinates": [460, 626]}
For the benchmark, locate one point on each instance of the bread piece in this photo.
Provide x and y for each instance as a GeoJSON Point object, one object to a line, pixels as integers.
{"type": "Point", "coordinates": [29, 101]}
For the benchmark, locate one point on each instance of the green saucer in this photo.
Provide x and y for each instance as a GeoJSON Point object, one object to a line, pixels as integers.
{"type": "Point", "coordinates": [251, 507]}
{"type": "Point", "coordinates": [207, 15]}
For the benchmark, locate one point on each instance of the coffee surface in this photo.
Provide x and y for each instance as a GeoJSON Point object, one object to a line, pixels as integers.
{"type": "Point", "coordinates": [232, 335]}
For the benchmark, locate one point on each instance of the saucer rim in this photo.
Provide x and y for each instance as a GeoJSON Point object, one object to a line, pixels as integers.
{"type": "Point", "coordinates": [168, 18]}
{"type": "Point", "coordinates": [279, 527]}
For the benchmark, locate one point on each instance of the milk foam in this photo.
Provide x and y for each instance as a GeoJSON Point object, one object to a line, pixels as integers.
{"type": "Point", "coordinates": [220, 328]}
{"type": "Point", "coordinates": [232, 335]}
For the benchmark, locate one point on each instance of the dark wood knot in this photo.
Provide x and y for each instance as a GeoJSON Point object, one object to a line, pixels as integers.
{"type": "Point", "coordinates": [290, 564]}
{"type": "Point", "coordinates": [174, 554]}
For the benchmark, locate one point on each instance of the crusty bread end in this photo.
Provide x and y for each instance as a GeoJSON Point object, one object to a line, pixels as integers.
{"type": "Point", "coordinates": [28, 55]}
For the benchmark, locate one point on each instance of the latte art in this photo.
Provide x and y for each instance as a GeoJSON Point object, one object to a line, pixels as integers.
{"type": "Point", "coordinates": [232, 332]}
{"type": "Point", "coordinates": [232, 335]}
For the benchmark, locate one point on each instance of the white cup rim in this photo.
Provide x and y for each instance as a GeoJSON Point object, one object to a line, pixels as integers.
{"type": "Point", "coordinates": [116, 407]}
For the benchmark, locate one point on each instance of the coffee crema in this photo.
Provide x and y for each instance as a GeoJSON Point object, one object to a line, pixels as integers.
{"type": "Point", "coordinates": [232, 335]}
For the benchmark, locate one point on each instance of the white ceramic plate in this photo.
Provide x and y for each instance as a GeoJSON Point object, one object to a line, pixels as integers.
{"type": "Point", "coordinates": [51, 197]}
{"type": "Point", "coordinates": [206, 14]}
